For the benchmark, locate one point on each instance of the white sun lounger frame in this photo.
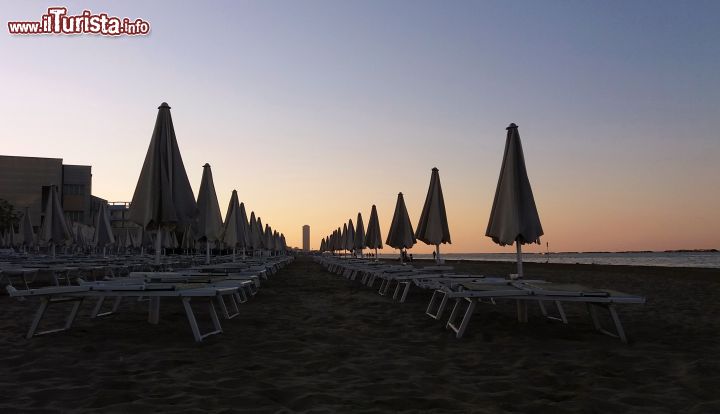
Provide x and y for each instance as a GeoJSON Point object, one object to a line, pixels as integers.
{"type": "Point", "coordinates": [593, 300]}
{"type": "Point", "coordinates": [78, 293]}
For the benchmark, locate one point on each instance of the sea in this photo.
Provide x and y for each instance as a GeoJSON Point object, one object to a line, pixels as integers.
{"type": "Point", "coordinates": [666, 259]}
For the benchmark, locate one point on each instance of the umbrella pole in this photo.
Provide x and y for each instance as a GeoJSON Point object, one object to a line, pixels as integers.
{"type": "Point", "coordinates": [52, 249]}
{"type": "Point", "coordinates": [207, 252]}
{"type": "Point", "coordinates": [437, 254]}
{"type": "Point", "coordinates": [376, 258]}
{"type": "Point", "coordinates": [233, 254]}
{"type": "Point", "coordinates": [519, 259]}
{"type": "Point", "coordinates": [158, 246]}
{"type": "Point", "coordinates": [522, 312]}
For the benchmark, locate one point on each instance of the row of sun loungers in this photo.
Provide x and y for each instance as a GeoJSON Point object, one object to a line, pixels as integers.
{"type": "Point", "coordinates": [465, 291]}
{"type": "Point", "coordinates": [225, 285]}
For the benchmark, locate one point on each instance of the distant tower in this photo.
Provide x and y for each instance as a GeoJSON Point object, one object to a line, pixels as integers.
{"type": "Point", "coordinates": [306, 238]}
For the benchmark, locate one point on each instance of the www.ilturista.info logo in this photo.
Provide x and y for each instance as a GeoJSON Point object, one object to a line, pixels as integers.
{"type": "Point", "coordinates": [57, 21]}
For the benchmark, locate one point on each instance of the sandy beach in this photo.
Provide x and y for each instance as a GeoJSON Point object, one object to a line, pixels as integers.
{"type": "Point", "coordinates": [311, 341]}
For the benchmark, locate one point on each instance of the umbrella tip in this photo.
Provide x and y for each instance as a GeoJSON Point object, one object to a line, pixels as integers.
{"type": "Point", "coordinates": [512, 125]}
{"type": "Point", "coordinates": [164, 105]}
{"type": "Point", "coordinates": [206, 165]}
{"type": "Point", "coordinates": [435, 169]}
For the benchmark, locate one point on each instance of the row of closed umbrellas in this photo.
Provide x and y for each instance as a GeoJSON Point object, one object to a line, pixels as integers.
{"type": "Point", "coordinates": [513, 217]}
{"type": "Point", "coordinates": [55, 230]}
{"type": "Point", "coordinates": [163, 198]}
{"type": "Point", "coordinates": [163, 201]}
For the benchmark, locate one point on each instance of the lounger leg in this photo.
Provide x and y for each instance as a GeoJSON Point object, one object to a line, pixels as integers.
{"type": "Point", "coordinates": [38, 316]}
{"type": "Point", "coordinates": [223, 308]}
{"type": "Point", "coordinates": [594, 317]}
{"type": "Point", "coordinates": [619, 331]}
{"type": "Point", "coordinates": [388, 285]}
{"type": "Point", "coordinates": [405, 292]}
{"type": "Point", "coordinates": [154, 311]}
{"type": "Point", "coordinates": [466, 318]}
{"type": "Point", "coordinates": [191, 319]}
{"type": "Point", "coordinates": [73, 313]}
{"type": "Point", "coordinates": [618, 324]}
{"type": "Point", "coordinates": [383, 289]}
{"type": "Point", "coordinates": [116, 305]}
{"type": "Point", "coordinates": [215, 319]}
{"type": "Point", "coordinates": [98, 305]}
{"type": "Point", "coordinates": [240, 296]}
{"type": "Point", "coordinates": [522, 311]}
{"type": "Point", "coordinates": [441, 306]}
{"type": "Point", "coordinates": [396, 291]}
{"type": "Point", "coordinates": [460, 331]}
{"type": "Point", "coordinates": [44, 304]}
{"type": "Point", "coordinates": [561, 311]}
{"type": "Point", "coordinates": [443, 303]}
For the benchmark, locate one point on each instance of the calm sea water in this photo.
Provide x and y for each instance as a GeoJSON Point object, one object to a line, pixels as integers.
{"type": "Point", "coordinates": [695, 259]}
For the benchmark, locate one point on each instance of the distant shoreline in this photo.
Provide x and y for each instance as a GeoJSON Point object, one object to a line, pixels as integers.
{"type": "Point", "coordinates": [589, 252]}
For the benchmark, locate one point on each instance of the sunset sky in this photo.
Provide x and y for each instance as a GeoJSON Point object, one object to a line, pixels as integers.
{"type": "Point", "coordinates": [315, 110]}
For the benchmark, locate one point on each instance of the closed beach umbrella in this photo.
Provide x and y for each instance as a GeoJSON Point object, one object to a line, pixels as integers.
{"type": "Point", "coordinates": [255, 236]}
{"type": "Point", "coordinates": [163, 197]}
{"type": "Point", "coordinates": [54, 228]}
{"type": "Point", "coordinates": [103, 235]}
{"type": "Point", "coordinates": [209, 221]}
{"type": "Point", "coordinates": [269, 242]}
{"type": "Point", "coordinates": [343, 237]}
{"type": "Point", "coordinates": [514, 217]}
{"type": "Point", "coordinates": [230, 229]}
{"type": "Point", "coordinates": [5, 239]}
{"type": "Point", "coordinates": [401, 234]}
{"type": "Point", "coordinates": [359, 241]}
{"type": "Point", "coordinates": [373, 238]}
{"type": "Point", "coordinates": [129, 241]}
{"type": "Point", "coordinates": [283, 243]}
{"type": "Point", "coordinates": [146, 239]}
{"type": "Point", "coordinates": [81, 238]}
{"type": "Point", "coordinates": [350, 236]}
{"type": "Point", "coordinates": [261, 232]}
{"type": "Point", "coordinates": [322, 245]}
{"type": "Point", "coordinates": [244, 230]}
{"type": "Point", "coordinates": [12, 236]}
{"type": "Point", "coordinates": [136, 239]}
{"type": "Point", "coordinates": [188, 238]}
{"type": "Point", "coordinates": [26, 236]}
{"type": "Point", "coordinates": [168, 239]}
{"type": "Point", "coordinates": [433, 225]}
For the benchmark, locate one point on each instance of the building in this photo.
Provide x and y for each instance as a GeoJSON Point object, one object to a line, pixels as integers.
{"type": "Point", "coordinates": [306, 238]}
{"type": "Point", "coordinates": [25, 182]}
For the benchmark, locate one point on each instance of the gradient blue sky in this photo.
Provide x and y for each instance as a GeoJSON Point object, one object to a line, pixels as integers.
{"type": "Point", "coordinates": [314, 110]}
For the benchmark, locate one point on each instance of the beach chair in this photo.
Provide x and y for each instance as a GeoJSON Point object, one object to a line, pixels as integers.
{"type": "Point", "coordinates": [77, 294]}
{"type": "Point", "coordinates": [470, 294]}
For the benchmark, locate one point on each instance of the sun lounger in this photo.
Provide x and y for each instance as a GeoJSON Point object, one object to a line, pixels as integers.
{"type": "Point", "coordinates": [77, 294]}
{"type": "Point", "coordinates": [524, 291]}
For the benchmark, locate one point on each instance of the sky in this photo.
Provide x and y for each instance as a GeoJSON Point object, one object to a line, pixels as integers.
{"type": "Point", "coordinates": [316, 110]}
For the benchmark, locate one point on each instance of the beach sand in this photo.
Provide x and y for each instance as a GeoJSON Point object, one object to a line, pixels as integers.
{"type": "Point", "coordinates": [314, 342]}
